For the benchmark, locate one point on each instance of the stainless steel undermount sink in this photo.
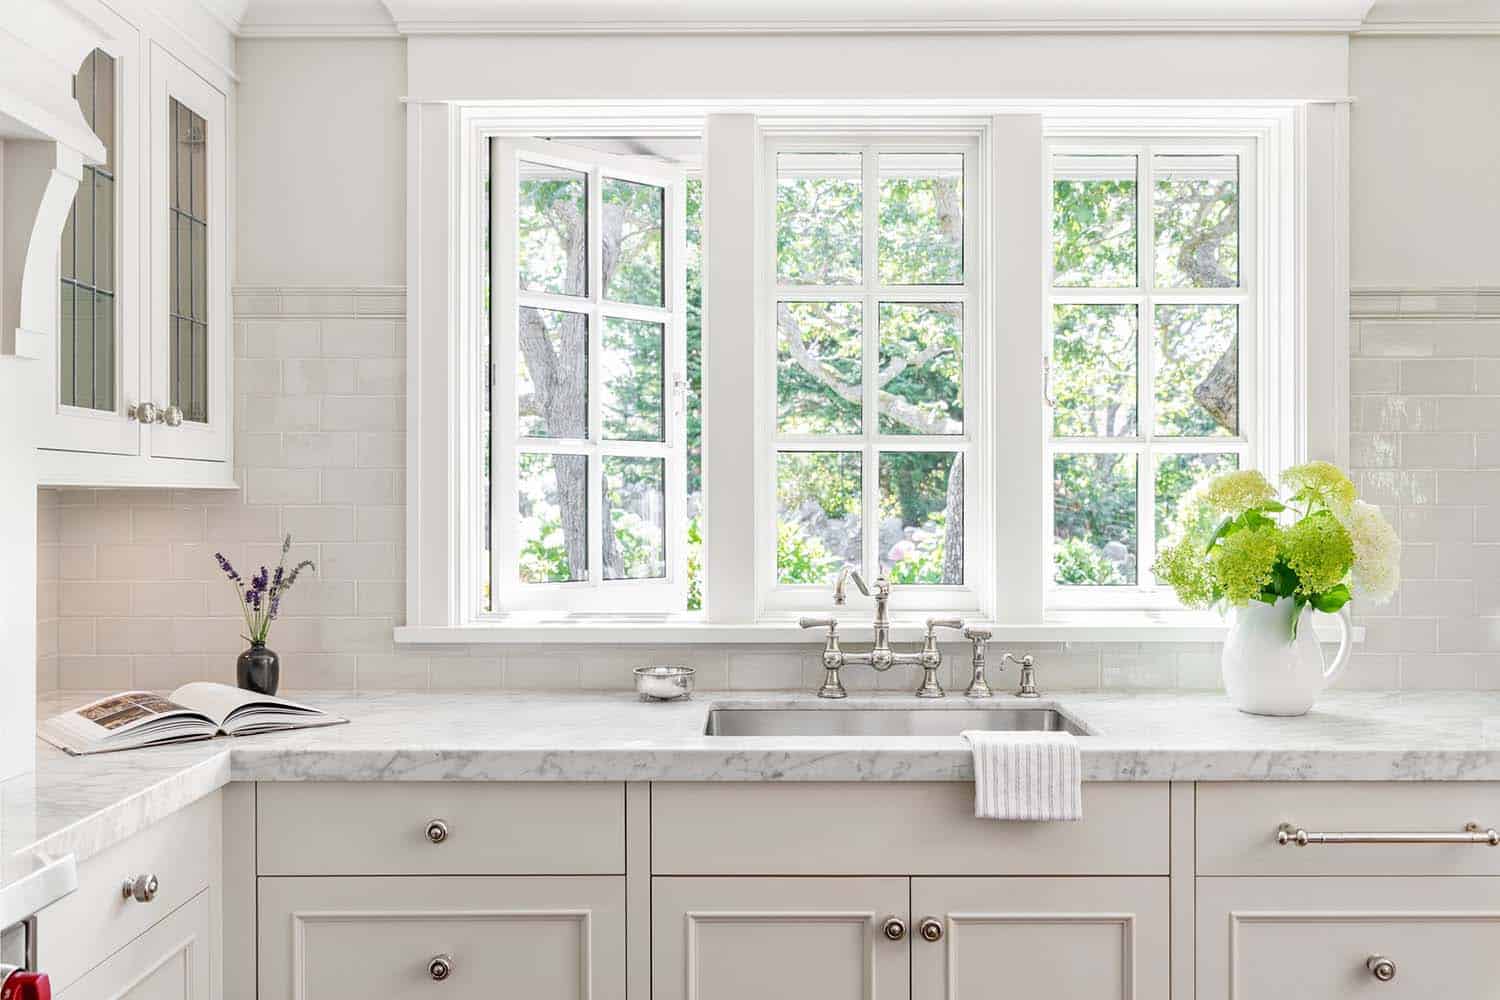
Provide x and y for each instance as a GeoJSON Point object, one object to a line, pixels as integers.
{"type": "Point", "coordinates": [820, 721]}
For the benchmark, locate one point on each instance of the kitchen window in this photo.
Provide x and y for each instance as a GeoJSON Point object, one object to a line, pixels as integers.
{"type": "Point", "coordinates": [1150, 370]}
{"type": "Point", "coordinates": [874, 281]}
{"type": "Point", "coordinates": [984, 356]}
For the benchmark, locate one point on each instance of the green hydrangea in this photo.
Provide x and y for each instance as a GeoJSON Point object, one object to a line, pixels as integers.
{"type": "Point", "coordinates": [1241, 563]}
{"type": "Point", "coordinates": [1322, 485]}
{"type": "Point", "coordinates": [1182, 566]}
{"type": "Point", "coordinates": [1318, 548]}
{"type": "Point", "coordinates": [1233, 493]}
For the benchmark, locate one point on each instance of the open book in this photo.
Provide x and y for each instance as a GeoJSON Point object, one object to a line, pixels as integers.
{"type": "Point", "coordinates": [198, 711]}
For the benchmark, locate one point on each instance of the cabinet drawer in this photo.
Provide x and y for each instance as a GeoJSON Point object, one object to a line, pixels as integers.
{"type": "Point", "coordinates": [1238, 822]}
{"type": "Point", "coordinates": [85, 927]}
{"type": "Point", "coordinates": [552, 938]}
{"type": "Point", "coordinates": [904, 828]}
{"type": "Point", "coordinates": [1314, 938]}
{"type": "Point", "coordinates": [381, 828]}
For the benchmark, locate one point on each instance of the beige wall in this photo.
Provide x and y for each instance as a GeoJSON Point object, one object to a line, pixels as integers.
{"type": "Point", "coordinates": [1425, 152]}
{"type": "Point", "coordinates": [322, 163]}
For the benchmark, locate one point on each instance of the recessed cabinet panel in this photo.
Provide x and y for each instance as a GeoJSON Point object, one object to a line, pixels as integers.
{"type": "Point", "coordinates": [462, 938]}
{"type": "Point", "coordinates": [171, 961]}
{"type": "Point", "coordinates": [1064, 939]}
{"type": "Point", "coordinates": [791, 939]}
{"type": "Point", "coordinates": [1325, 938]}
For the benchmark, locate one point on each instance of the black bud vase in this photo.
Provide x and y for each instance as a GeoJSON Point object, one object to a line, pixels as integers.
{"type": "Point", "coordinates": [259, 669]}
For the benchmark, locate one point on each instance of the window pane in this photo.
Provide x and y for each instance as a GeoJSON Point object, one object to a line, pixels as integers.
{"type": "Point", "coordinates": [1176, 474]}
{"type": "Point", "coordinates": [83, 347]}
{"type": "Point", "coordinates": [83, 223]}
{"type": "Point", "coordinates": [819, 358]}
{"type": "Point", "coordinates": [65, 263]}
{"type": "Point", "coordinates": [104, 105]}
{"type": "Point", "coordinates": [635, 503]}
{"type": "Point", "coordinates": [819, 526]}
{"type": "Point", "coordinates": [104, 352]}
{"type": "Point", "coordinates": [1093, 221]}
{"type": "Point", "coordinates": [921, 368]}
{"type": "Point", "coordinates": [552, 230]}
{"type": "Point", "coordinates": [921, 218]}
{"type": "Point", "coordinates": [1094, 370]}
{"type": "Point", "coordinates": [552, 392]}
{"type": "Point", "coordinates": [633, 229]}
{"type": "Point", "coordinates": [552, 495]}
{"type": "Point", "coordinates": [1197, 370]}
{"type": "Point", "coordinates": [819, 218]}
{"type": "Point", "coordinates": [633, 380]}
{"type": "Point", "coordinates": [1093, 519]}
{"type": "Point", "coordinates": [694, 527]}
{"type": "Point", "coordinates": [104, 230]}
{"type": "Point", "coordinates": [922, 517]}
{"type": "Point", "coordinates": [65, 325]}
{"type": "Point", "coordinates": [1197, 209]}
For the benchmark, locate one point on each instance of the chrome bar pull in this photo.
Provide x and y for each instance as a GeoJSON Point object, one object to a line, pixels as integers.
{"type": "Point", "coordinates": [1288, 835]}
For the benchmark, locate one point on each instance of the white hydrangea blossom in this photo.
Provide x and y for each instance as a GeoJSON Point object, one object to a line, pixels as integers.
{"type": "Point", "coordinates": [1377, 553]}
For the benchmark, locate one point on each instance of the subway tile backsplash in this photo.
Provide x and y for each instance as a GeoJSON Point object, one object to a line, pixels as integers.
{"type": "Point", "coordinates": [129, 594]}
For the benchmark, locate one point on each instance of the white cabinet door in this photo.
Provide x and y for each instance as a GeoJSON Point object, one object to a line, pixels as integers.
{"type": "Point", "coordinates": [1060, 938]}
{"type": "Point", "coordinates": [1324, 938]}
{"type": "Point", "coordinates": [787, 938]}
{"type": "Point", "coordinates": [171, 961]}
{"type": "Point", "coordinates": [546, 938]}
{"type": "Point", "coordinates": [189, 322]}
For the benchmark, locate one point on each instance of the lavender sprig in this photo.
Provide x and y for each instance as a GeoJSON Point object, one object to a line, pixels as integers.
{"type": "Point", "coordinates": [260, 599]}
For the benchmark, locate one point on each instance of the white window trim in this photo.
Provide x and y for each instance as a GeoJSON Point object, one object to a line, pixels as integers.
{"type": "Point", "coordinates": [1305, 148]}
{"type": "Point", "coordinates": [1249, 296]}
{"type": "Point", "coordinates": [973, 596]}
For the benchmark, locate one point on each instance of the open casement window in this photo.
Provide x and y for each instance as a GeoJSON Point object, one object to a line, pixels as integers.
{"type": "Point", "coordinates": [587, 452]}
{"type": "Point", "coordinates": [1152, 325]}
{"type": "Point", "coordinates": [872, 450]}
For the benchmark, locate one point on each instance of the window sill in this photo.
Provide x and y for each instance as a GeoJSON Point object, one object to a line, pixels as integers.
{"type": "Point", "coordinates": [1060, 627]}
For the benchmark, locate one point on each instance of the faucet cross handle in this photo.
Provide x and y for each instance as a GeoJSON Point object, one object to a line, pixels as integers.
{"type": "Point", "coordinates": [931, 659]}
{"type": "Point", "coordinates": [979, 687]}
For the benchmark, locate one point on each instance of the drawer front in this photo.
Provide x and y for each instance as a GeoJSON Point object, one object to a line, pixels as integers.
{"type": "Point", "coordinates": [382, 828]}
{"type": "Point", "coordinates": [93, 922]}
{"type": "Point", "coordinates": [1238, 822]}
{"type": "Point", "coordinates": [548, 938]}
{"type": "Point", "coordinates": [171, 961]}
{"type": "Point", "coordinates": [903, 828]}
{"type": "Point", "coordinates": [1323, 938]}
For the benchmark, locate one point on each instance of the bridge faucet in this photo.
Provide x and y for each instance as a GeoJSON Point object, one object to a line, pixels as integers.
{"type": "Point", "coordinates": [880, 656]}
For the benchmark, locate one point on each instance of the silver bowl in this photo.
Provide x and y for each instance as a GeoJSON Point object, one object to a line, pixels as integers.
{"type": "Point", "coordinates": [664, 683]}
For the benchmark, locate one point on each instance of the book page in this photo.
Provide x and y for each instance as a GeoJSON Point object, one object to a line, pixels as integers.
{"type": "Point", "coordinates": [220, 701]}
{"type": "Point", "coordinates": [123, 713]}
{"type": "Point", "coordinates": [124, 718]}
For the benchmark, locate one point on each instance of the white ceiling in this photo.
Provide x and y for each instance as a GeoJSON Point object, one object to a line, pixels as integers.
{"type": "Point", "coordinates": [390, 17]}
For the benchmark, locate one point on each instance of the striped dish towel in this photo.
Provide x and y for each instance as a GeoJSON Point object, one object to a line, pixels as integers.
{"type": "Point", "coordinates": [1026, 776]}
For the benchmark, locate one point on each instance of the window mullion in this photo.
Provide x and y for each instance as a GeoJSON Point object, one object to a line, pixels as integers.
{"type": "Point", "coordinates": [593, 492]}
{"type": "Point", "coordinates": [1145, 479]}
{"type": "Point", "coordinates": [870, 334]}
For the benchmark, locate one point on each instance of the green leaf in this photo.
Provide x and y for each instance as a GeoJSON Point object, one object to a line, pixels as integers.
{"type": "Point", "coordinates": [1274, 506]}
{"type": "Point", "coordinates": [1283, 580]}
{"type": "Point", "coordinates": [1331, 599]}
{"type": "Point", "coordinates": [1226, 527]}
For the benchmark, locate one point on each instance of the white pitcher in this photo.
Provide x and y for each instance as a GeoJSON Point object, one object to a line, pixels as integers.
{"type": "Point", "coordinates": [1266, 671]}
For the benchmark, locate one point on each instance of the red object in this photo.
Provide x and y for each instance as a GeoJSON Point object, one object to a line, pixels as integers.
{"type": "Point", "coordinates": [27, 986]}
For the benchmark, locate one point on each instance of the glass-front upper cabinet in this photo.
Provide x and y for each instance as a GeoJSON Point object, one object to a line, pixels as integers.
{"type": "Point", "coordinates": [95, 363]}
{"type": "Point", "coordinates": [189, 329]}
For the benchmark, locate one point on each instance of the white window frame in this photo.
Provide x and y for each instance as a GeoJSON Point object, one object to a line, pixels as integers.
{"type": "Point", "coordinates": [594, 593]}
{"type": "Point", "coordinates": [971, 596]}
{"type": "Point", "coordinates": [1303, 239]}
{"type": "Point", "coordinates": [1145, 296]}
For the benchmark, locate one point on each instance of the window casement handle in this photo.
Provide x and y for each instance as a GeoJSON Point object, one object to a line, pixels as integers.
{"type": "Point", "coordinates": [1288, 835]}
{"type": "Point", "coordinates": [1047, 382]}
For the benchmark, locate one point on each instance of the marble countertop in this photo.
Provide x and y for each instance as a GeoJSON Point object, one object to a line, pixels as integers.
{"type": "Point", "coordinates": [82, 805]}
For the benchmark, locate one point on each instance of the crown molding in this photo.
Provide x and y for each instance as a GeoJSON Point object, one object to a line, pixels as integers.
{"type": "Point", "coordinates": [1431, 28]}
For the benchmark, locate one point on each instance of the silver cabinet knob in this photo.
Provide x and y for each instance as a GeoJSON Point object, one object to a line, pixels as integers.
{"type": "Point", "coordinates": [142, 888]}
{"type": "Point", "coordinates": [437, 831]}
{"type": "Point", "coordinates": [440, 967]}
{"type": "Point", "coordinates": [146, 413]}
{"type": "Point", "coordinates": [1381, 968]}
{"type": "Point", "coordinates": [931, 929]}
{"type": "Point", "coordinates": [894, 928]}
{"type": "Point", "coordinates": [171, 416]}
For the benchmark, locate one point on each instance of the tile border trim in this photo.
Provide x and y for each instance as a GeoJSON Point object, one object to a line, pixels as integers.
{"type": "Point", "coordinates": [303, 301]}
